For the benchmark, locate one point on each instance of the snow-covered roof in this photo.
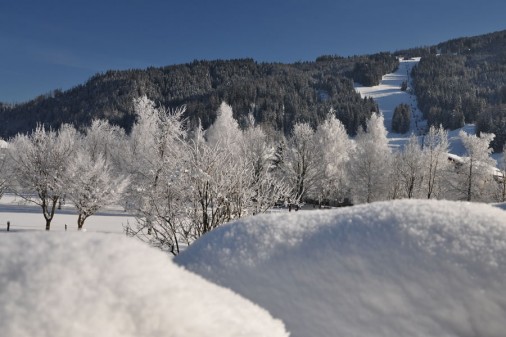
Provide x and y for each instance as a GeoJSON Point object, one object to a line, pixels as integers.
{"type": "Point", "coordinates": [402, 268]}
{"type": "Point", "coordinates": [84, 284]}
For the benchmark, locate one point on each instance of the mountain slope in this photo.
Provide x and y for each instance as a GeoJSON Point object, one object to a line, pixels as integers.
{"type": "Point", "coordinates": [278, 95]}
{"type": "Point", "coordinates": [464, 81]}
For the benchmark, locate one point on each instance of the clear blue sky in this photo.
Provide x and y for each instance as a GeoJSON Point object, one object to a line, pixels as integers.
{"type": "Point", "coordinates": [57, 44]}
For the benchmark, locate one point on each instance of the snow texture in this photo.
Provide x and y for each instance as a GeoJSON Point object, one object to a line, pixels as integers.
{"type": "Point", "coordinates": [399, 268]}
{"type": "Point", "coordinates": [90, 284]}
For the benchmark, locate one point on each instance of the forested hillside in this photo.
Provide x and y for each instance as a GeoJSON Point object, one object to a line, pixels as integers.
{"type": "Point", "coordinates": [277, 95]}
{"type": "Point", "coordinates": [464, 81]}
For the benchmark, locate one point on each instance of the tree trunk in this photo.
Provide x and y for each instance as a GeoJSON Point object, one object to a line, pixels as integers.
{"type": "Point", "coordinates": [470, 182]}
{"type": "Point", "coordinates": [80, 221]}
{"type": "Point", "coordinates": [48, 224]}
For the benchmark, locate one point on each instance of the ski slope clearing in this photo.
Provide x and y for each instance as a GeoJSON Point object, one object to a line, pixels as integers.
{"type": "Point", "coordinates": [401, 268]}
{"type": "Point", "coordinates": [388, 95]}
{"type": "Point", "coordinates": [84, 284]}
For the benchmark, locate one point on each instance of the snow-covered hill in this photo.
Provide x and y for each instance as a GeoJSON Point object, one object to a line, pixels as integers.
{"type": "Point", "coordinates": [403, 268]}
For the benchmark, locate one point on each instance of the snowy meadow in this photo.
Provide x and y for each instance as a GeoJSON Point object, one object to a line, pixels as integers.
{"type": "Point", "coordinates": [195, 232]}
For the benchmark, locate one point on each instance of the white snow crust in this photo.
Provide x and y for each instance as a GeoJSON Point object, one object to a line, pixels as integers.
{"type": "Point", "coordinates": [398, 268]}
{"type": "Point", "coordinates": [90, 284]}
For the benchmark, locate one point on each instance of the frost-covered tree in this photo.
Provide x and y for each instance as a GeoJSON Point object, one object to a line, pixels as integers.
{"type": "Point", "coordinates": [410, 172]}
{"type": "Point", "coordinates": [475, 177]}
{"type": "Point", "coordinates": [334, 146]}
{"type": "Point", "coordinates": [225, 141]}
{"type": "Point", "coordinates": [5, 168]}
{"type": "Point", "coordinates": [230, 174]}
{"type": "Point", "coordinates": [370, 162]}
{"type": "Point", "coordinates": [225, 130]}
{"type": "Point", "coordinates": [157, 192]}
{"type": "Point", "coordinates": [435, 159]}
{"type": "Point", "coordinates": [93, 182]}
{"type": "Point", "coordinates": [40, 163]}
{"type": "Point", "coordinates": [105, 140]}
{"type": "Point", "coordinates": [211, 179]}
{"type": "Point", "coordinates": [302, 161]}
{"type": "Point", "coordinates": [265, 187]}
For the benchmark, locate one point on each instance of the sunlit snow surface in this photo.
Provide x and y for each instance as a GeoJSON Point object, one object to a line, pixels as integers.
{"type": "Point", "coordinates": [90, 284]}
{"type": "Point", "coordinates": [402, 268]}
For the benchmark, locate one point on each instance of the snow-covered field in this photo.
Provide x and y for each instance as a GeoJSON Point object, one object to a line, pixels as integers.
{"type": "Point", "coordinates": [25, 216]}
{"type": "Point", "coordinates": [403, 268]}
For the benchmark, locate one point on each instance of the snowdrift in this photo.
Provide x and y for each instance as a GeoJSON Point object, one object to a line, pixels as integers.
{"type": "Point", "coordinates": [403, 268]}
{"type": "Point", "coordinates": [62, 284]}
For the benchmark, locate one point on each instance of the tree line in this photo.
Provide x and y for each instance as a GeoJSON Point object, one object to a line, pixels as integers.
{"type": "Point", "coordinates": [182, 182]}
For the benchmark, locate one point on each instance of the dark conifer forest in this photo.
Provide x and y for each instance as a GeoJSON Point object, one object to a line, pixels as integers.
{"type": "Point", "coordinates": [464, 81]}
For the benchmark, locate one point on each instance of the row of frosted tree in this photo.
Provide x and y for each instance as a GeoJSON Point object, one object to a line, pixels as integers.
{"type": "Point", "coordinates": [183, 183]}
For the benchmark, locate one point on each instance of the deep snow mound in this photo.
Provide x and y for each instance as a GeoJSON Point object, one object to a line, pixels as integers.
{"type": "Point", "coordinates": [62, 284]}
{"type": "Point", "coordinates": [402, 268]}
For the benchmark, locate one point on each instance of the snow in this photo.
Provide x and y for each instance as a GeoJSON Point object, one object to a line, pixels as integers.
{"type": "Point", "coordinates": [25, 216]}
{"type": "Point", "coordinates": [398, 268]}
{"type": "Point", "coordinates": [91, 284]}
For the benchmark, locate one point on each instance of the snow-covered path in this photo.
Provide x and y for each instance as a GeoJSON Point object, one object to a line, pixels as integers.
{"type": "Point", "coordinates": [388, 95]}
